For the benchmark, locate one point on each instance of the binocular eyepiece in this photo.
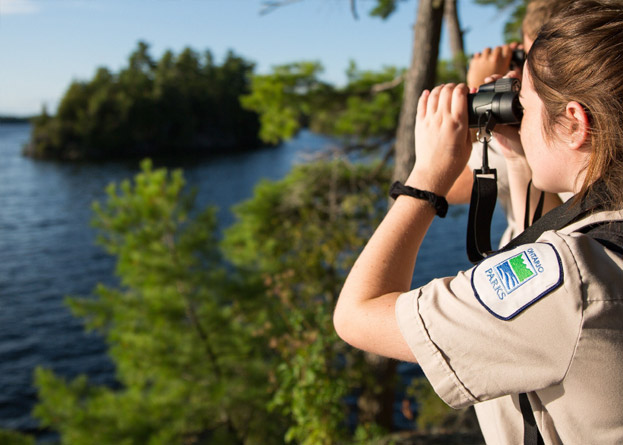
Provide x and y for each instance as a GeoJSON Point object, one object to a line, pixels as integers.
{"type": "Point", "coordinates": [495, 103]}
{"type": "Point", "coordinates": [518, 58]}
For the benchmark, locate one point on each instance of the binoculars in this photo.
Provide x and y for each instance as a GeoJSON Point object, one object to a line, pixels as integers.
{"type": "Point", "coordinates": [495, 103]}
{"type": "Point", "coordinates": [518, 58]}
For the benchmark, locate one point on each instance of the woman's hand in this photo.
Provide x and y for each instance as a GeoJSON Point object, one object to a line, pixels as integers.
{"type": "Point", "coordinates": [489, 62]}
{"type": "Point", "coordinates": [442, 138]}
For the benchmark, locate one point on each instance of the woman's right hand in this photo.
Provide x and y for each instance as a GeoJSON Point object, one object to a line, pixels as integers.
{"type": "Point", "coordinates": [442, 138]}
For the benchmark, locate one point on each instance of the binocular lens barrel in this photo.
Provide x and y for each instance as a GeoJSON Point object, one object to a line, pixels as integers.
{"type": "Point", "coordinates": [497, 100]}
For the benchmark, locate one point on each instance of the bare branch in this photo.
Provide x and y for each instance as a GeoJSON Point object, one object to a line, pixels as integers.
{"type": "Point", "coordinates": [388, 85]}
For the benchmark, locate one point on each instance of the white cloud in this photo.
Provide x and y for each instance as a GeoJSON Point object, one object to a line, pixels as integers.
{"type": "Point", "coordinates": [8, 7]}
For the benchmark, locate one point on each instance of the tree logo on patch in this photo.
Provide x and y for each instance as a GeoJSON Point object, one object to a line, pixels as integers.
{"type": "Point", "coordinates": [515, 271]}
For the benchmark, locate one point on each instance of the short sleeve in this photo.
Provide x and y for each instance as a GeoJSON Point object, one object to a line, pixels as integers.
{"type": "Point", "coordinates": [471, 354]}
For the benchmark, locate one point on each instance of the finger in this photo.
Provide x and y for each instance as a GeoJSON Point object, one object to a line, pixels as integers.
{"type": "Point", "coordinates": [507, 53]}
{"type": "Point", "coordinates": [486, 51]}
{"type": "Point", "coordinates": [421, 105]}
{"type": "Point", "coordinates": [446, 97]}
{"type": "Point", "coordinates": [512, 74]}
{"type": "Point", "coordinates": [433, 99]}
{"type": "Point", "coordinates": [459, 101]}
{"type": "Point", "coordinates": [492, 78]}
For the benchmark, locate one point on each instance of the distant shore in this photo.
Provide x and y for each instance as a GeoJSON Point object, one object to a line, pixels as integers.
{"type": "Point", "coordinates": [14, 120]}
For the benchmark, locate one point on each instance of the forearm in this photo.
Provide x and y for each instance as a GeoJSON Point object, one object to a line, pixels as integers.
{"type": "Point", "coordinates": [461, 190]}
{"type": "Point", "coordinates": [365, 311]}
{"type": "Point", "coordinates": [364, 315]}
{"type": "Point", "coordinates": [386, 264]}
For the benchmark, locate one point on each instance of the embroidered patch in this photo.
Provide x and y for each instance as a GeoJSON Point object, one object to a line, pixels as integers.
{"type": "Point", "coordinates": [509, 282]}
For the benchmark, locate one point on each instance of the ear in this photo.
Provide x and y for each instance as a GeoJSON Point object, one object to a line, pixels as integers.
{"type": "Point", "coordinates": [579, 125]}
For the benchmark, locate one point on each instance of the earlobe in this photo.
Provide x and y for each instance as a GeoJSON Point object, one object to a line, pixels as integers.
{"type": "Point", "coordinates": [578, 125]}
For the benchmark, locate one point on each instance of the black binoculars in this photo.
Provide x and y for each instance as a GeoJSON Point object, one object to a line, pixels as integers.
{"type": "Point", "coordinates": [517, 58]}
{"type": "Point", "coordinates": [495, 103]}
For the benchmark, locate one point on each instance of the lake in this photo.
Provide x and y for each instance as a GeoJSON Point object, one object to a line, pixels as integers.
{"type": "Point", "coordinates": [47, 251]}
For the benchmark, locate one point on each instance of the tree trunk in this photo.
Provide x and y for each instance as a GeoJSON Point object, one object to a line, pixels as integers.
{"type": "Point", "coordinates": [455, 37]}
{"type": "Point", "coordinates": [421, 76]}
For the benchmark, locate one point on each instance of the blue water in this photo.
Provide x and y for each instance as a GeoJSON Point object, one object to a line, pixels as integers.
{"type": "Point", "coordinates": [47, 252]}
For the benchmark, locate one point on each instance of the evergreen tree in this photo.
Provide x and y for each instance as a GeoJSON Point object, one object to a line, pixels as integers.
{"type": "Point", "coordinates": [190, 370]}
{"type": "Point", "coordinates": [212, 354]}
{"type": "Point", "coordinates": [299, 237]}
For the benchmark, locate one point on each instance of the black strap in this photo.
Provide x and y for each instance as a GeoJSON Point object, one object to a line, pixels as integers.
{"type": "Point", "coordinates": [531, 434]}
{"type": "Point", "coordinates": [439, 203]}
{"type": "Point", "coordinates": [556, 219]}
{"type": "Point", "coordinates": [482, 205]}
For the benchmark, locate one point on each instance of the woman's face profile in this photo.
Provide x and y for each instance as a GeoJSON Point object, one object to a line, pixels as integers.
{"type": "Point", "coordinates": [542, 151]}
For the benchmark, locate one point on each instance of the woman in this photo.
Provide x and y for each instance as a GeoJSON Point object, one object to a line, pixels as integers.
{"type": "Point", "coordinates": [488, 63]}
{"type": "Point", "coordinates": [544, 317]}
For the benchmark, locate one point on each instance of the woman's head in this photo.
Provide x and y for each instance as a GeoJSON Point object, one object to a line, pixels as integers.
{"type": "Point", "coordinates": [578, 57]}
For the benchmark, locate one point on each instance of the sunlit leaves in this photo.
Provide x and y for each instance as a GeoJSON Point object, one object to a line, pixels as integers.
{"type": "Point", "coordinates": [282, 99]}
{"type": "Point", "coordinates": [292, 97]}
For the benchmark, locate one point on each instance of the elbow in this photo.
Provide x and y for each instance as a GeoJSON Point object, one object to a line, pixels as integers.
{"type": "Point", "coordinates": [341, 323]}
{"type": "Point", "coordinates": [338, 321]}
{"type": "Point", "coordinates": [347, 324]}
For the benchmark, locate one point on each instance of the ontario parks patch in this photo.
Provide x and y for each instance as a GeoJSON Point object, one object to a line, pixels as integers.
{"type": "Point", "coordinates": [509, 282]}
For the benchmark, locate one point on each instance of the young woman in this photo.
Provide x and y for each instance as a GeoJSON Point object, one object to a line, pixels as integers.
{"type": "Point", "coordinates": [545, 316]}
{"type": "Point", "coordinates": [497, 61]}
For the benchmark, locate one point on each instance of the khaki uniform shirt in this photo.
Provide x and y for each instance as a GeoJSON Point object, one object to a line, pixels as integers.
{"type": "Point", "coordinates": [545, 319]}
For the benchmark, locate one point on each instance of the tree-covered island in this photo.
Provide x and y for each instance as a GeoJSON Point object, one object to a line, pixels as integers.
{"type": "Point", "coordinates": [186, 104]}
{"type": "Point", "coordinates": [181, 104]}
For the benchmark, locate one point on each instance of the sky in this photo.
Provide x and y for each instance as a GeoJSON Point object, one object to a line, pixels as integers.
{"type": "Point", "coordinates": [46, 44]}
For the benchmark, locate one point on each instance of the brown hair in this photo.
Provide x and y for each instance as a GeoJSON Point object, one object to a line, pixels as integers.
{"type": "Point", "coordinates": [578, 56]}
{"type": "Point", "coordinates": [538, 13]}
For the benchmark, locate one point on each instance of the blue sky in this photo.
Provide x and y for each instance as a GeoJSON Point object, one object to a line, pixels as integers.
{"type": "Point", "coordinates": [45, 44]}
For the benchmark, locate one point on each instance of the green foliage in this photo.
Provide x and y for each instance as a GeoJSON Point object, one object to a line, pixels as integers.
{"type": "Point", "coordinates": [299, 236]}
{"type": "Point", "coordinates": [15, 438]}
{"type": "Point", "coordinates": [292, 97]}
{"type": "Point", "coordinates": [384, 8]}
{"type": "Point", "coordinates": [370, 111]}
{"type": "Point", "coordinates": [188, 367]}
{"type": "Point", "coordinates": [180, 104]}
{"type": "Point", "coordinates": [212, 354]}
{"type": "Point", "coordinates": [284, 98]}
